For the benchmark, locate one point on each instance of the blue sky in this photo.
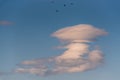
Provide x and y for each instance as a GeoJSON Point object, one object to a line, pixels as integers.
{"type": "Point", "coordinates": [32, 23]}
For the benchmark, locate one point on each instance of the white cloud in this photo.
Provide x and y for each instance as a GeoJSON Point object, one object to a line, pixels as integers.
{"type": "Point", "coordinates": [78, 56]}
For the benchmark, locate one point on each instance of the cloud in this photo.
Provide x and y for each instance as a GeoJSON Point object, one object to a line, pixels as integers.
{"type": "Point", "coordinates": [5, 23]}
{"type": "Point", "coordinates": [79, 33]}
{"type": "Point", "coordinates": [79, 55]}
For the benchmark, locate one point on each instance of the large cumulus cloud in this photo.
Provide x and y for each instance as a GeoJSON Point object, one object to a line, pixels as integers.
{"type": "Point", "coordinates": [78, 56]}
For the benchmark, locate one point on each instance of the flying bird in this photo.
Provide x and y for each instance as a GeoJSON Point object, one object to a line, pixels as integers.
{"type": "Point", "coordinates": [64, 5]}
{"type": "Point", "coordinates": [52, 1]}
{"type": "Point", "coordinates": [71, 3]}
{"type": "Point", "coordinates": [57, 10]}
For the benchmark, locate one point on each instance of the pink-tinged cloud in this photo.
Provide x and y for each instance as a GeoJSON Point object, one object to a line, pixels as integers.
{"type": "Point", "coordinates": [79, 55]}
{"type": "Point", "coordinates": [79, 33]}
{"type": "Point", "coordinates": [5, 23]}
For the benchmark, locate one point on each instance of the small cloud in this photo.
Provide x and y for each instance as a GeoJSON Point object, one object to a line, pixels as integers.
{"type": "Point", "coordinates": [5, 23]}
{"type": "Point", "coordinates": [78, 57]}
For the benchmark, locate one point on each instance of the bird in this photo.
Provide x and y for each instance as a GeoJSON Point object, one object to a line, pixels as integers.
{"type": "Point", "coordinates": [64, 5]}
{"type": "Point", "coordinates": [52, 1]}
{"type": "Point", "coordinates": [71, 3]}
{"type": "Point", "coordinates": [57, 10]}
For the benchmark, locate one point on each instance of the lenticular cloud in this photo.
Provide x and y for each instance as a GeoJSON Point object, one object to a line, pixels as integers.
{"type": "Point", "coordinates": [79, 55]}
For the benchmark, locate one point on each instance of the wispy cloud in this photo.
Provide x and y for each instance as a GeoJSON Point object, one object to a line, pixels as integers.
{"type": "Point", "coordinates": [79, 55]}
{"type": "Point", "coordinates": [5, 23]}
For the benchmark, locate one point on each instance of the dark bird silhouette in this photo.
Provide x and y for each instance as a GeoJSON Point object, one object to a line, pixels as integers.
{"type": "Point", "coordinates": [57, 10]}
{"type": "Point", "coordinates": [52, 1]}
{"type": "Point", "coordinates": [65, 5]}
{"type": "Point", "coordinates": [71, 3]}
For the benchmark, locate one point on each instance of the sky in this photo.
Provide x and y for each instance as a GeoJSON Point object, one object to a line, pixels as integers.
{"type": "Point", "coordinates": [33, 30]}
